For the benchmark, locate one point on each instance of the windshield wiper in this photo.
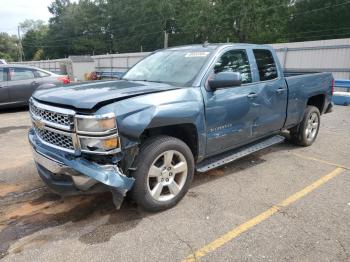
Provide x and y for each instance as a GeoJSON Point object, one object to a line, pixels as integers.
{"type": "Point", "coordinates": [145, 80]}
{"type": "Point", "coordinates": [151, 81]}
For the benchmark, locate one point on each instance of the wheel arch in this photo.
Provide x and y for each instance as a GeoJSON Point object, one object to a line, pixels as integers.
{"type": "Point", "coordinates": [317, 101]}
{"type": "Point", "coordinates": [187, 132]}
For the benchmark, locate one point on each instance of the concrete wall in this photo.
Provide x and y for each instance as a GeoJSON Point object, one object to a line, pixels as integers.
{"type": "Point", "coordinates": [54, 66]}
{"type": "Point", "coordinates": [80, 69]}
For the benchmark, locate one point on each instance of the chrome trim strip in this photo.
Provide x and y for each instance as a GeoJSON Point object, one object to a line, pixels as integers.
{"type": "Point", "coordinates": [111, 152]}
{"type": "Point", "coordinates": [53, 109]}
{"type": "Point", "coordinates": [98, 134]}
{"type": "Point", "coordinates": [54, 146]}
{"type": "Point", "coordinates": [48, 123]}
{"type": "Point", "coordinates": [58, 131]}
{"type": "Point", "coordinates": [114, 151]}
{"type": "Point", "coordinates": [71, 135]}
{"type": "Point", "coordinates": [97, 117]}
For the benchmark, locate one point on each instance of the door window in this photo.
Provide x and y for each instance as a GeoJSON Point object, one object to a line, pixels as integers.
{"type": "Point", "coordinates": [21, 74]}
{"type": "Point", "coordinates": [235, 61]}
{"type": "Point", "coordinates": [266, 64]}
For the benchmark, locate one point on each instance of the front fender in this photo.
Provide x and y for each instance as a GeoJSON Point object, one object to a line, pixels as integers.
{"type": "Point", "coordinates": [181, 106]}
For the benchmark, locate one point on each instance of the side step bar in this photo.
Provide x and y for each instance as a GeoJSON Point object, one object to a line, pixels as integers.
{"type": "Point", "coordinates": [227, 157]}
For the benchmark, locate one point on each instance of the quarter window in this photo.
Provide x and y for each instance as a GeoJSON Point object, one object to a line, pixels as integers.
{"type": "Point", "coordinates": [21, 74]}
{"type": "Point", "coordinates": [235, 61]}
{"type": "Point", "coordinates": [266, 64]}
{"type": "Point", "coordinates": [42, 73]}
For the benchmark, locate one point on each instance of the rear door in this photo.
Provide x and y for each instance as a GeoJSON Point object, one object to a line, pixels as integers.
{"type": "Point", "coordinates": [4, 93]}
{"type": "Point", "coordinates": [22, 84]}
{"type": "Point", "coordinates": [271, 98]}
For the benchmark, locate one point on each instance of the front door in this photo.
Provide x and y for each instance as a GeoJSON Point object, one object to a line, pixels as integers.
{"type": "Point", "coordinates": [230, 112]}
{"type": "Point", "coordinates": [22, 84]}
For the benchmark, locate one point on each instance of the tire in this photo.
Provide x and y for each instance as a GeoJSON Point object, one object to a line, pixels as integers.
{"type": "Point", "coordinates": [306, 132]}
{"type": "Point", "coordinates": [162, 160]}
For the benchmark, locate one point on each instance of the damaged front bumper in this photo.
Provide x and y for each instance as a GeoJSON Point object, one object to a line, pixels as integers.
{"type": "Point", "coordinates": [67, 174]}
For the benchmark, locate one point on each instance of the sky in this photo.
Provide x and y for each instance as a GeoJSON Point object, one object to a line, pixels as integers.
{"type": "Point", "coordinates": [13, 12]}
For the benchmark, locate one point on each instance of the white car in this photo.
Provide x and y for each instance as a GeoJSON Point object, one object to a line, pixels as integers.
{"type": "Point", "coordinates": [2, 62]}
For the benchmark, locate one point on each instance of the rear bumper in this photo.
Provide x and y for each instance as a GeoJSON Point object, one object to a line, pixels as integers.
{"type": "Point", "coordinates": [67, 174]}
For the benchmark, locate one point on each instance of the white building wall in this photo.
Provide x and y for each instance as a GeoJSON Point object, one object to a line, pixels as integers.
{"type": "Point", "coordinates": [324, 55]}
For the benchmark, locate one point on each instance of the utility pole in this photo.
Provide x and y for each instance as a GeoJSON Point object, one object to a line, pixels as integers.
{"type": "Point", "coordinates": [20, 45]}
{"type": "Point", "coordinates": [170, 28]}
{"type": "Point", "coordinates": [166, 39]}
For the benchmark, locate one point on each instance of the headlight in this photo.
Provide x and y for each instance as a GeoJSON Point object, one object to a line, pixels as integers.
{"type": "Point", "coordinates": [96, 124]}
{"type": "Point", "coordinates": [99, 144]}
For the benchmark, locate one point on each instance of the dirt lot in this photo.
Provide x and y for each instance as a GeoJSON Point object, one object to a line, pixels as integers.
{"type": "Point", "coordinates": [283, 203]}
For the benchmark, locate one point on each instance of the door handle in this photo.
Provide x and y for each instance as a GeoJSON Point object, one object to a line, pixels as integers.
{"type": "Point", "coordinates": [252, 95]}
{"type": "Point", "coordinates": [35, 83]}
{"type": "Point", "coordinates": [280, 90]}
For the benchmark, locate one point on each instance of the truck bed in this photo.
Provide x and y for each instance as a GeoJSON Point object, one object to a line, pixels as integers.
{"type": "Point", "coordinates": [301, 86]}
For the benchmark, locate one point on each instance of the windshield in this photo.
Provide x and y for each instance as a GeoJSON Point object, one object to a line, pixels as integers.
{"type": "Point", "coordinates": [169, 66]}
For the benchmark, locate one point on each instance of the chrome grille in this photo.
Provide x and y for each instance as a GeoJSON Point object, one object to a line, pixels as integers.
{"type": "Point", "coordinates": [56, 139]}
{"type": "Point", "coordinates": [50, 116]}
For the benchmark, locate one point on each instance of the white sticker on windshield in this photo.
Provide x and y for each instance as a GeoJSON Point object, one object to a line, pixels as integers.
{"type": "Point", "coordinates": [197, 54]}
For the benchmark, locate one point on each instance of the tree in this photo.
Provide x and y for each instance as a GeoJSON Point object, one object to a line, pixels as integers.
{"type": "Point", "coordinates": [34, 39]}
{"type": "Point", "coordinates": [9, 47]}
{"type": "Point", "coordinates": [30, 24]}
{"type": "Point", "coordinates": [110, 26]}
{"type": "Point", "coordinates": [319, 19]}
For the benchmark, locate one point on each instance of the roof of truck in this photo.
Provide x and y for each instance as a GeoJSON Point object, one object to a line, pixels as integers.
{"type": "Point", "coordinates": [214, 46]}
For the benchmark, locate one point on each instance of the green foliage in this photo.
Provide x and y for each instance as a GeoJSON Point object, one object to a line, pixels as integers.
{"type": "Point", "coordinates": [110, 26]}
{"type": "Point", "coordinates": [319, 19]}
{"type": "Point", "coordinates": [8, 47]}
{"type": "Point", "coordinates": [34, 40]}
{"type": "Point", "coordinates": [39, 55]}
{"type": "Point", "coordinates": [30, 24]}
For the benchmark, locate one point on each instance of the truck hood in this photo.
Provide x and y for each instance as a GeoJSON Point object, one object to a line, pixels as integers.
{"type": "Point", "coordinates": [93, 94]}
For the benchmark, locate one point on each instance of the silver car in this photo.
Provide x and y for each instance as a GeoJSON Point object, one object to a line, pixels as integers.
{"type": "Point", "coordinates": [18, 82]}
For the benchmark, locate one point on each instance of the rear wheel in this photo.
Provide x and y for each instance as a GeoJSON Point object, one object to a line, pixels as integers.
{"type": "Point", "coordinates": [306, 132]}
{"type": "Point", "coordinates": [164, 172]}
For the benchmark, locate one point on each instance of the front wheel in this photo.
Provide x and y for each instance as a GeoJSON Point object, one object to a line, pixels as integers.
{"type": "Point", "coordinates": [164, 172]}
{"type": "Point", "coordinates": [306, 132]}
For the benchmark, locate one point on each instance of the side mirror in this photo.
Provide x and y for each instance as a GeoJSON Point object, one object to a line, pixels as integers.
{"type": "Point", "coordinates": [225, 79]}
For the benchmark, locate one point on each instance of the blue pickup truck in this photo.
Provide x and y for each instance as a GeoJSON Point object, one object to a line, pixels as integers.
{"type": "Point", "coordinates": [177, 111]}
